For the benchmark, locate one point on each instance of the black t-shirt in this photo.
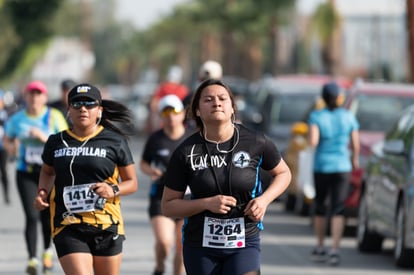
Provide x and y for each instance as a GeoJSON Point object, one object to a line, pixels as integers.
{"type": "Point", "coordinates": [158, 150]}
{"type": "Point", "coordinates": [81, 160]}
{"type": "Point", "coordinates": [208, 172]}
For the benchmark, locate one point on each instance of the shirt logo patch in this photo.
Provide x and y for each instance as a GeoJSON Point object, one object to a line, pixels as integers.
{"type": "Point", "coordinates": [241, 159]}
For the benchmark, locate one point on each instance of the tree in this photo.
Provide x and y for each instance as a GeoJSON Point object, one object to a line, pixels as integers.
{"type": "Point", "coordinates": [410, 31]}
{"type": "Point", "coordinates": [235, 33]}
{"type": "Point", "coordinates": [326, 23]}
{"type": "Point", "coordinates": [27, 23]}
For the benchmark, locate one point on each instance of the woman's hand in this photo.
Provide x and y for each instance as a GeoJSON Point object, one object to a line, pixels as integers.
{"type": "Point", "coordinates": [40, 202]}
{"type": "Point", "coordinates": [256, 209]}
{"type": "Point", "coordinates": [38, 134]}
{"type": "Point", "coordinates": [103, 190]}
{"type": "Point", "coordinates": [220, 204]}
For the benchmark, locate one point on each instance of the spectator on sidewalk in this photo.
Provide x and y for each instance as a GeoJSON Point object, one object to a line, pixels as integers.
{"type": "Point", "coordinates": [333, 132]}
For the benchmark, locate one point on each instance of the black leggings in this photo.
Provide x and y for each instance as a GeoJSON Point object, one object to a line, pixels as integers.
{"type": "Point", "coordinates": [4, 175]}
{"type": "Point", "coordinates": [334, 186]}
{"type": "Point", "coordinates": [27, 186]}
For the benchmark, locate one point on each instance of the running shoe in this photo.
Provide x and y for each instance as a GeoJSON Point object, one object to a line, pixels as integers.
{"type": "Point", "coordinates": [334, 259]}
{"type": "Point", "coordinates": [32, 266]}
{"type": "Point", "coordinates": [47, 262]}
{"type": "Point", "coordinates": [318, 255]}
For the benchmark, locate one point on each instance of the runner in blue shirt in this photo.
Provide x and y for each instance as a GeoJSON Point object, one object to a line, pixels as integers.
{"type": "Point", "coordinates": [25, 134]}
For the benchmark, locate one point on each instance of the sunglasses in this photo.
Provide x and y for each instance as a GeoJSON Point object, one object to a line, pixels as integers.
{"type": "Point", "coordinates": [169, 111]}
{"type": "Point", "coordinates": [86, 104]}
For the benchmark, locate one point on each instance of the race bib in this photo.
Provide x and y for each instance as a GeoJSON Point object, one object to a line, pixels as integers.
{"type": "Point", "coordinates": [223, 233]}
{"type": "Point", "coordinates": [79, 198]}
{"type": "Point", "coordinates": [33, 155]}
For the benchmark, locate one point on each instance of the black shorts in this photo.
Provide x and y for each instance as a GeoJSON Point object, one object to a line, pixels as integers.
{"type": "Point", "coordinates": [204, 260]}
{"type": "Point", "coordinates": [154, 208]}
{"type": "Point", "coordinates": [87, 239]}
{"type": "Point", "coordinates": [155, 197]}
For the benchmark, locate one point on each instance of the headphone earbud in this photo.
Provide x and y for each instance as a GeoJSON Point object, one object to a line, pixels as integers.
{"type": "Point", "coordinates": [100, 113]}
{"type": "Point", "coordinates": [198, 113]}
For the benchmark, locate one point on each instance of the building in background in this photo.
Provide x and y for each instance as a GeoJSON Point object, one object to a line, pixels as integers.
{"type": "Point", "coordinates": [65, 58]}
{"type": "Point", "coordinates": [372, 41]}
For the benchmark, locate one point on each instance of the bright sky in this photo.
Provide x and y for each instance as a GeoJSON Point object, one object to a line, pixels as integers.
{"type": "Point", "coordinates": [357, 6]}
{"type": "Point", "coordinates": [143, 13]}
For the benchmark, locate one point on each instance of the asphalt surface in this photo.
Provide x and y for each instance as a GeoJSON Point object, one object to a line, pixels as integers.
{"type": "Point", "coordinates": [286, 241]}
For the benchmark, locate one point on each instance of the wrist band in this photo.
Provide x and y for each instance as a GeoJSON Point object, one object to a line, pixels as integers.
{"type": "Point", "coordinates": [41, 189]}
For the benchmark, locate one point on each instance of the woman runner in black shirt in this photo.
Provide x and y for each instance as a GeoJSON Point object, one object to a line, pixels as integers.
{"type": "Point", "coordinates": [85, 171]}
{"type": "Point", "coordinates": [220, 163]}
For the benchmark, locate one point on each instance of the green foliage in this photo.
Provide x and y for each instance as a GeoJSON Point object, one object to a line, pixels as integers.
{"type": "Point", "coordinates": [227, 28]}
{"type": "Point", "coordinates": [8, 39]}
{"type": "Point", "coordinates": [107, 46]}
{"type": "Point", "coordinates": [244, 23]}
{"type": "Point", "coordinates": [67, 20]}
{"type": "Point", "coordinates": [26, 24]}
{"type": "Point", "coordinates": [31, 18]}
{"type": "Point", "coordinates": [325, 21]}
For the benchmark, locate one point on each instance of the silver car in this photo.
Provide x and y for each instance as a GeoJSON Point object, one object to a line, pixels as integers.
{"type": "Point", "coordinates": [386, 208]}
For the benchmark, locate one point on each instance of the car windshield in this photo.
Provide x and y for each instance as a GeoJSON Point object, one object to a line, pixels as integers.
{"type": "Point", "coordinates": [378, 112]}
{"type": "Point", "coordinates": [288, 109]}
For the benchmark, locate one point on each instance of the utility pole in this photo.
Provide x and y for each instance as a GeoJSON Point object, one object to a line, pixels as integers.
{"type": "Point", "coordinates": [410, 31]}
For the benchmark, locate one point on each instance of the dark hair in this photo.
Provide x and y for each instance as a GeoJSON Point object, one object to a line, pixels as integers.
{"type": "Point", "coordinates": [115, 113]}
{"type": "Point", "coordinates": [330, 92]}
{"type": "Point", "coordinates": [195, 101]}
{"type": "Point", "coordinates": [67, 84]}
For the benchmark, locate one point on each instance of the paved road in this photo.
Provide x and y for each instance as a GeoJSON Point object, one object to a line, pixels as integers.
{"type": "Point", "coordinates": [286, 241]}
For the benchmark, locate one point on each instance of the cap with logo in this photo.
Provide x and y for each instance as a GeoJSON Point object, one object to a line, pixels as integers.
{"type": "Point", "coordinates": [84, 91]}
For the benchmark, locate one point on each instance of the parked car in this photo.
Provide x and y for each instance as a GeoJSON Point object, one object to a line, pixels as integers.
{"type": "Point", "coordinates": [376, 106]}
{"type": "Point", "coordinates": [386, 208]}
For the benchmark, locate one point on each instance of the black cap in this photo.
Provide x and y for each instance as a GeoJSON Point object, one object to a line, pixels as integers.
{"type": "Point", "coordinates": [84, 91]}
{"type": "Point", "coordinates": [330, 91]}
{"type": "Point", "coordinates": [67, 84]}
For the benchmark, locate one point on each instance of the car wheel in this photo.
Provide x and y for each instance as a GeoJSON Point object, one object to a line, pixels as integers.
{"type": "Point", "coordinates": [368, 241]}
{"type": "Point", "coordinates": [403, 256]}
